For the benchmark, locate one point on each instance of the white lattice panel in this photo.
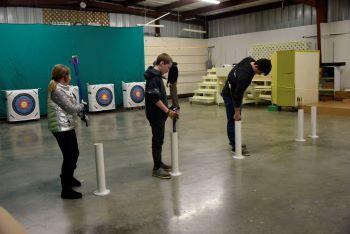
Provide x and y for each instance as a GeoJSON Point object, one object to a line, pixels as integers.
{"type": "Point", "coordinates": [266, 50]}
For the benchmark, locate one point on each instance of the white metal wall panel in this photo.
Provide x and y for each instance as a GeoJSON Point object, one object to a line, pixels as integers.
{"type": "Point", "coordinates": [191, 55]}
{"type": "Point", "coordinates": [289, 16]}
{"type": "Point", "coordinates": [174, 29]}
{"type": "Point", "coordinates": [338, 10]}
{"type": "Point", "coordinates": [21, 15]}
{"type": "Point", "coordinates": [125, 20]}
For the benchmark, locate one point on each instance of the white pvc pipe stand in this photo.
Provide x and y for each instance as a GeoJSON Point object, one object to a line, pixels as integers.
{"type": "Point", "coordinates": [174, 154]}
{"type": "Point", "coordinates": [100, 171]}
{"type": "Point", "coordinates": [313, 122]}
{"type": "Point", "coordinates": [238, 140]}
{"type": "Point", "coordinates": [300, 134]}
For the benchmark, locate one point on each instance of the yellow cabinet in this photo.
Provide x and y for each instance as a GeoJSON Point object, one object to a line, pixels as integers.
{"type": "Point", "coordinates": [295, 74]}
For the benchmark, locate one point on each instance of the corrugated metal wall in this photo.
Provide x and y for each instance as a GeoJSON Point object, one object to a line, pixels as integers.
{"type": "Point", "coordinates": [125, 20]}
{"type": "Point", "coordinates": [171, 28]}
{"type": "Point", "coordinates": [21, 15]}
{"type": "Point", "coordinates": [174, 29]}
{"type": "Point", "coordinates": [338, 10]}
{"type": "Point", "coordinates": [290, 16]}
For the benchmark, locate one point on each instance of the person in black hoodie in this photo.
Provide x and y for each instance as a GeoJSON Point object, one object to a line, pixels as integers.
{"type": "Point", "coordinates": [172, 83]}
{"type": "Point", "coordinates": [157, 111]}
{"type": "Point", "coordinates": [237, 82]}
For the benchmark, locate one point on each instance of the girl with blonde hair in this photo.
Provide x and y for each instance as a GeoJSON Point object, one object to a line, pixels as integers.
{"type": "Point", "coordinates": [63, 108]}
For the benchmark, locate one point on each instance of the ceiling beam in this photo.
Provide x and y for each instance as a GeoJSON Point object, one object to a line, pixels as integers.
{"type": "Point", "coordinates": [249, 10]}
{"type": "Point", "coordinates": [177, 4]}
{"type": "Point", "coordinates": [210, 8]}
{"type": "Point", "coordinates": [131, 2]}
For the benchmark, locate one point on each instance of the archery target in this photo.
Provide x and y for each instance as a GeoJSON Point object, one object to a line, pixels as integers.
{"type": "Point", "coordinates": [101, 97]}
{"type": "Point", "coordinates": [133, 94]}
{"type": "Point", "coordinates": [104, 96]}
{"type": "Point", "coordinates": [137, 94]}
{"type": "Point", "coordinates": [22, 105]}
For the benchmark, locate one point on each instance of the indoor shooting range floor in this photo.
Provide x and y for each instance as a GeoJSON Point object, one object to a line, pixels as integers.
{"type": "Point", "coordinates": [284, 187]}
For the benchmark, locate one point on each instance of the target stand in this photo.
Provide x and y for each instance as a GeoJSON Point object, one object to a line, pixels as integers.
{"type": "Point", "coordinates": [133, 94]}
{"type": "Point", "coordinates": [101, 97]}
{"type": "Point", "coordinates": [22, 105]}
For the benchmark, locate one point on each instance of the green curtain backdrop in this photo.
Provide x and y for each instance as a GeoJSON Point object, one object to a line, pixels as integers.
{"type": "Point", "coordinates": [106, 55]}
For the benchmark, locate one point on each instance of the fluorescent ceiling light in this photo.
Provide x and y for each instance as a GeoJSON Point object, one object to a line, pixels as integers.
{"type": "Point", "coordinates": [193, 30]}
{"type": "Point", "coordinates": [151, 25]}
{"type": "Point", "coordinates": [211, 1]}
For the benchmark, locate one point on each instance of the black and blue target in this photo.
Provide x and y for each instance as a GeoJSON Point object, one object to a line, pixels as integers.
{"type": "Point", "coordinates": [23, 104]}
{"type": "Point", "coordinates": [137, 94]}
{"type": "Point", "coordinates": [104, 96]}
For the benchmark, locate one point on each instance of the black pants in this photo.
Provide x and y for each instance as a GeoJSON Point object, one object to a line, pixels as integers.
{"type": "Point", "coordinates": [68, 144]}
{"type": "Point", "coordinates": [158, 129]}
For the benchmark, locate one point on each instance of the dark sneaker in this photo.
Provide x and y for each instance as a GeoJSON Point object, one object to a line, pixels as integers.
{"type": "Point", "coordinates": [245, 152]}
{"type": "Point", "coordinates": [75, 182]}
{"type": "Point", "coordinates": [70, 194]}
{"type": "Point", "coordinates": [166, 167]}
{"type": "Point", "coordinates": [161, 173]}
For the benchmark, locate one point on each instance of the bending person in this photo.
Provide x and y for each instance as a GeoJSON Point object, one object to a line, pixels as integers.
{"type": "Point", "coordinates": [237, 82]}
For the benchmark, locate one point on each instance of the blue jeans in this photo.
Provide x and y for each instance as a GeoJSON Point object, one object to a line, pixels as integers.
{"type": "Point", "coordinates": [230, 112]}
{"type": "Point", "coordinates": [230, 121]}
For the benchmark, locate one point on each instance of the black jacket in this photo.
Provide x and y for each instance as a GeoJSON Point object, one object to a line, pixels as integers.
{"type": "Point", "coordinates": [239, 79]}
{"type": "Point", "coordinates": [155, 91]}
{"type": "Point", "coordinates": [173, 74]}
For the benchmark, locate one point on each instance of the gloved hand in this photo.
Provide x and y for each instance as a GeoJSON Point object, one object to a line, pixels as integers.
{"type": "Point", "coordinates": [173, 114]}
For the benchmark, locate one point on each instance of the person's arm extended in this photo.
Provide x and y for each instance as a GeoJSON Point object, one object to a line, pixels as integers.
{"type": "Point", "coordinates": [237, 95]}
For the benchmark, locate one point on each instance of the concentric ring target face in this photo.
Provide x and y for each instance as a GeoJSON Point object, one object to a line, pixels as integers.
{"type": "Point", "coordinates": [104, 96]}
{"type": "Point", "coordinates": [23, 104]}
{"type": "Point", "coordinates": [137, 94]}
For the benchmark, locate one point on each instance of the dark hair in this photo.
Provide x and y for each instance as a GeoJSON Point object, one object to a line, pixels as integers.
{"type": "Point", "coordinates": [264, 65]}
{"type": "Point", "coordinates": [165, 58]}
{"type": "Point", "coordinates": [174, 63]}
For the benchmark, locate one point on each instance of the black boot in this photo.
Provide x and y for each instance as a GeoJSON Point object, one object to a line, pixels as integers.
{"type": "Point", "coordinates": [67, 191]}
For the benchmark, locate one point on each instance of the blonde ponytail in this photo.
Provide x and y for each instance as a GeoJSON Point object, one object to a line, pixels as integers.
{"type": "Point", "coordinates": [52, 86]}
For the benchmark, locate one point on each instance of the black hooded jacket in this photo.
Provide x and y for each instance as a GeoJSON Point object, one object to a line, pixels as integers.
{"type": "Point", "coordinates": [238, 81]}
{"type": "Point", "coordinates": [155, 91]}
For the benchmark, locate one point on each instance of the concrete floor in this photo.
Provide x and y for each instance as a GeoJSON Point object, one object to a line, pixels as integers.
{"type": "Point", "coordinates": [284, 187]}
